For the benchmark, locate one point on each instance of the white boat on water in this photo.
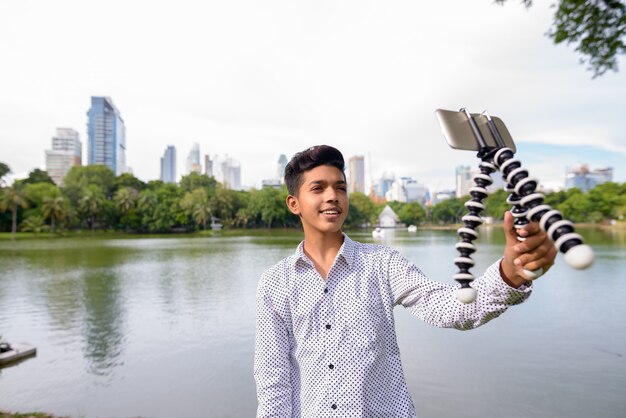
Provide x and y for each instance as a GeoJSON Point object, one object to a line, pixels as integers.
{"type": "Point", "coordinates": [377, 233]}
{"type": "Point", "coordinates": [15, 352]}
{"type": "Point", "coordinates": [412, 228]}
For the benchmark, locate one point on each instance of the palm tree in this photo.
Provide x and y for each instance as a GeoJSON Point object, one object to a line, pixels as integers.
{"type": "Point", "coordinates": [12, 198]}
{"type": "Point", "coordinates": [125, 199]}
{"type": "Point", "coordinates": [53, 208]}
{"type": "Point", "coordinates": [202, 212]}
{"type": "Point", "coordinates": [33, 223]}
{"type": "Point", "coordinates": [90, 203]}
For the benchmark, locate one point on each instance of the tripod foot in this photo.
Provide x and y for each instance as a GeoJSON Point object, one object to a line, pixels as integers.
{"type": "Point", "coordinates": [466, 294]}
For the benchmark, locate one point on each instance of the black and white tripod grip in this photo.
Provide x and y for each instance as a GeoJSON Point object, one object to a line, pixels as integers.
{"type": "Point", "coordinates": [496, 151]}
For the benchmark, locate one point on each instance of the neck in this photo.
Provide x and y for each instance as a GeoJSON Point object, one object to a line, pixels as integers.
{"type": "Point", "coordinates": [322, 247]}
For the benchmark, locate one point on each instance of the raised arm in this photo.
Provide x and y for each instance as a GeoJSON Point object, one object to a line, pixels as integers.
{"type": "Point", "coordinates": [436, 303]}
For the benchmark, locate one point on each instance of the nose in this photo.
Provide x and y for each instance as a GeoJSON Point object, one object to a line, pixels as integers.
{"type": "Point", "coordinates": [331, 195]}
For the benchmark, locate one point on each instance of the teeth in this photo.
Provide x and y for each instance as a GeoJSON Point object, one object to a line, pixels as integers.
{"type": "Point", "coordinates": [330, 212]}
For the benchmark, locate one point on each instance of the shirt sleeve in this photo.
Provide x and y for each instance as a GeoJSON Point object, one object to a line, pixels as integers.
{"type": "Point", "coordinates": [436, 303]}
{"type": "Point", "coordinates": [271, 358]}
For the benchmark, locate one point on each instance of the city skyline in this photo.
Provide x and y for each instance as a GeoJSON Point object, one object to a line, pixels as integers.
{"type": "Point", "coordinates": [365, 78]}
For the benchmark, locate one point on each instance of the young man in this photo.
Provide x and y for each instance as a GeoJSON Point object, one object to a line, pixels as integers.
{"type": "Point", "coordinates": [325, 338]}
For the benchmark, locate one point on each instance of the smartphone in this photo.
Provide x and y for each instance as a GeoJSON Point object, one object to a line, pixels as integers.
{"type": "Point", "coordinates": [458, 131]}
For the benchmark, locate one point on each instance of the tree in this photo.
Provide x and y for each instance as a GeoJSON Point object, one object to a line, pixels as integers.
{"type": "Point", "coordinates": [33, 223]}
{"type": "Point", "coordinates": [80, 177]}
{"type": "Point", "coordinates": [13, 197]}
{"type": "Point", "coordinates": [449, 211]}
{"type": "Point", "coordinates": [4, 170]}
{"type": "Point", "coordinates": [412, 213]}
{"type": "Point", "coordinates": [53, 208]}
{"type": "Point", "coordinates": [128, 180]}
{"type": "Point", "coordinates": [195, 180]}
{"type": "Point", "coordinates": [125, 199]}
{"type": "Point", "coordinates": [37, 176]}
{"type": "Point", "coordinates": [596, 27]}
{"type": "Point", "coordinates": [90, 203]}
{"type": "Point", "coordinates": [198, 206]}
{"type": "Point", "coordinates": [362, 210]}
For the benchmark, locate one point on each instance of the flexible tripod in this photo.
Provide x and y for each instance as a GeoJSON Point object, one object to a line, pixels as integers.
{"type": "Point", "coordinates": [496, 151]}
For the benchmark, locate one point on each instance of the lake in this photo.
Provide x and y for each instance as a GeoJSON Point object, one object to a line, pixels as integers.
{"type": "Point", "coordinates": [164, 327]}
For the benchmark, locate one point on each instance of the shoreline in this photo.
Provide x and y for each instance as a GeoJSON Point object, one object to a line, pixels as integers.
{"type": "Point", "coordinates": [7, 236]}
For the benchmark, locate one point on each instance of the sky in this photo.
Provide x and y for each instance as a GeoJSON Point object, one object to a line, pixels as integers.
{"type": "Point", "coordinates": [256, 79]}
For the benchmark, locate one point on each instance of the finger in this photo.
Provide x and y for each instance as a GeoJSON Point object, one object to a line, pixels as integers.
{"type": "Point", "coordinates": [532, 242]}
{"type": "Point", "coordinates": [546, 251]}
{"type": "Point", "coordinates": [509, 229]}
{"type": "Point", "coordinates": [541, 263]}
{"type": "Point", "coordinates": [530, 229]}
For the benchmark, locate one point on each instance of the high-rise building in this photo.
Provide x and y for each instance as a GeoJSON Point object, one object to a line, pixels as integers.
{"type": "Point", "coordinates": [383, 184]}
{"type": "Point", "coordinates": [408, 190]}
{"type": "Point", "coordinates": [193, 159]}
{"type": "Point", "coordinates": [465, 180]}
{"type": "Point", "coordinates": [66, 152]}
{"type": "Point", "coordinates": [585, 179]}
{"type": "Point", "coordinates": [106, 134]}
{"type": "Point", "coordinates": [228, 172]}
{"type": "Point", "coordinates": [357, 174]}
{"type": "Point", "coordinates": [280, 169]}
{"type": "Point", "coordinates": [168, 165]}
{"type": "Point", "coordinates": [208, 166]}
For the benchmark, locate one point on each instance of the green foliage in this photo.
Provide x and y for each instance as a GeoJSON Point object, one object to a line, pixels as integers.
{"type": "Point", "coordinates": [363, 211]}
{"type": "Point", "coordinates": [449, 211]}
{"type": "Point", "coordinates": [496, 204]}
{"type": "Point", "coordinates": [597, 28]}
{"type": "Point", "coordinates": [412, 213]}
{"type": "Point", "coordinates": [4, 170]}
{"type": "Point", "coordinates": [13, 198]}
{"type": "Point", "coordinates": [79, 177]}
{"type": "Point", "coordinates": [37, 176]}
{"type": "Point", "coordinates": [164, 207]}
{"type": "Point", "coordinates": [33, 223]}
{"type": "Point", "coordinates": [129, 181]}
{"type": "Point", "coordinates": [267, 207]}
{"type": "Point", "coordinates": [195, 180]}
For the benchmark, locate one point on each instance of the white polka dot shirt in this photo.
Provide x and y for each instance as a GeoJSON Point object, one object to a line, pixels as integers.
{"type": "Point", "coordinates": [329, 349]}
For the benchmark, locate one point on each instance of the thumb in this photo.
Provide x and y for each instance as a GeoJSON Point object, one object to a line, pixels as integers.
{"type": "Point", "coordinates": [509, 229]}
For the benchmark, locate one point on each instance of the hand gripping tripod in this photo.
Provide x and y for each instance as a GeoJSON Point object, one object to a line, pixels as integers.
{"type": "Point", "coordinates": [496, 150]}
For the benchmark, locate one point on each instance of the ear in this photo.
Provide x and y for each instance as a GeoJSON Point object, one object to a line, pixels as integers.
{"type": "Point", "coordinates": [293, 205]}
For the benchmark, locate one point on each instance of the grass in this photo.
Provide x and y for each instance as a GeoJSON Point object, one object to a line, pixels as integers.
{"type": "Point", "coordinates": [4, 414]}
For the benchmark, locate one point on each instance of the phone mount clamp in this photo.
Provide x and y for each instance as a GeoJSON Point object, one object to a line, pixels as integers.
{"type": "Point", "coordinates": [496, 150]}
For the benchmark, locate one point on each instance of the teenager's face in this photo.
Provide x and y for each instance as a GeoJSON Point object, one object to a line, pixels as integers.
{"type": "Point", "coordinates": [322, 200]}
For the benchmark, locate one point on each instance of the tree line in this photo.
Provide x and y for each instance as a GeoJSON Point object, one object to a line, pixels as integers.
{"type": "Point", "coordinates": [93, 198]}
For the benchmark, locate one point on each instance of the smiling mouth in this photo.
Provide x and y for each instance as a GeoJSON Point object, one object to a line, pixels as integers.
{"type": "Point", "coordinates": [331, 212]}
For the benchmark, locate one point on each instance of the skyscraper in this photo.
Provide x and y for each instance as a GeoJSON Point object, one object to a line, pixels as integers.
{"type": "Point", "coordinates": [208, 165]}
{"type": "Point", "coordinates": [66, 152]}
{"type": "Point", "coordinates": [106, 135]}
{"type": "Point", "coordinates": [585, 179]}
{"type": "Point", "coordinates": [357, 174]}
{"type": "Point", "coordinates": [193, 159]}
{"type": "Point", "coordinates": [168, 165]}
{"type": "Point", "coordinates": [228, 172]}
{"type": "Point", "coordinates": [280, 169]}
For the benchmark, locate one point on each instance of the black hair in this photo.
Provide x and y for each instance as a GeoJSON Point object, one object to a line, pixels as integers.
{"type": "Point", "coordinates": [309, 159]}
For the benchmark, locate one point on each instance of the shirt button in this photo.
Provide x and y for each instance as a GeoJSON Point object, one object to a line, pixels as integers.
{"type": "Point", "coordinates": [327, 326]}
{"type": "Point", "coordinates": [325, 290]}
{"type": "Point", "coordinates": [330, 366]}
{"type": "Point", "coordinates": [333, 406]}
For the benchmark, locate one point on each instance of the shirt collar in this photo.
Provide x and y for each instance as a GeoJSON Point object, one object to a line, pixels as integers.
{"type": "Point", "coordinates": [346, 251]}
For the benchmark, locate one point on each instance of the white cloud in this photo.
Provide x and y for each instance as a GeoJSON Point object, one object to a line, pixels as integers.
{"type": "Point", "coordinates": [257, 79]}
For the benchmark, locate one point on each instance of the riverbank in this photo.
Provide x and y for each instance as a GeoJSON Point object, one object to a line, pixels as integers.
{"type": "Point", "coordinates": [5, 414]}
{"type": "Point", "coordinates": [237, 232]}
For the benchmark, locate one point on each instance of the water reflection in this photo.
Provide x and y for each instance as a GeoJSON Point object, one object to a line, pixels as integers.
{"type": "Point", "coordinates": [165, 327]}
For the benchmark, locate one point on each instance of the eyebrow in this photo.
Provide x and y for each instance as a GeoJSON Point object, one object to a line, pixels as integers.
{"type": "Point", "coordinates": [325, 182]}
